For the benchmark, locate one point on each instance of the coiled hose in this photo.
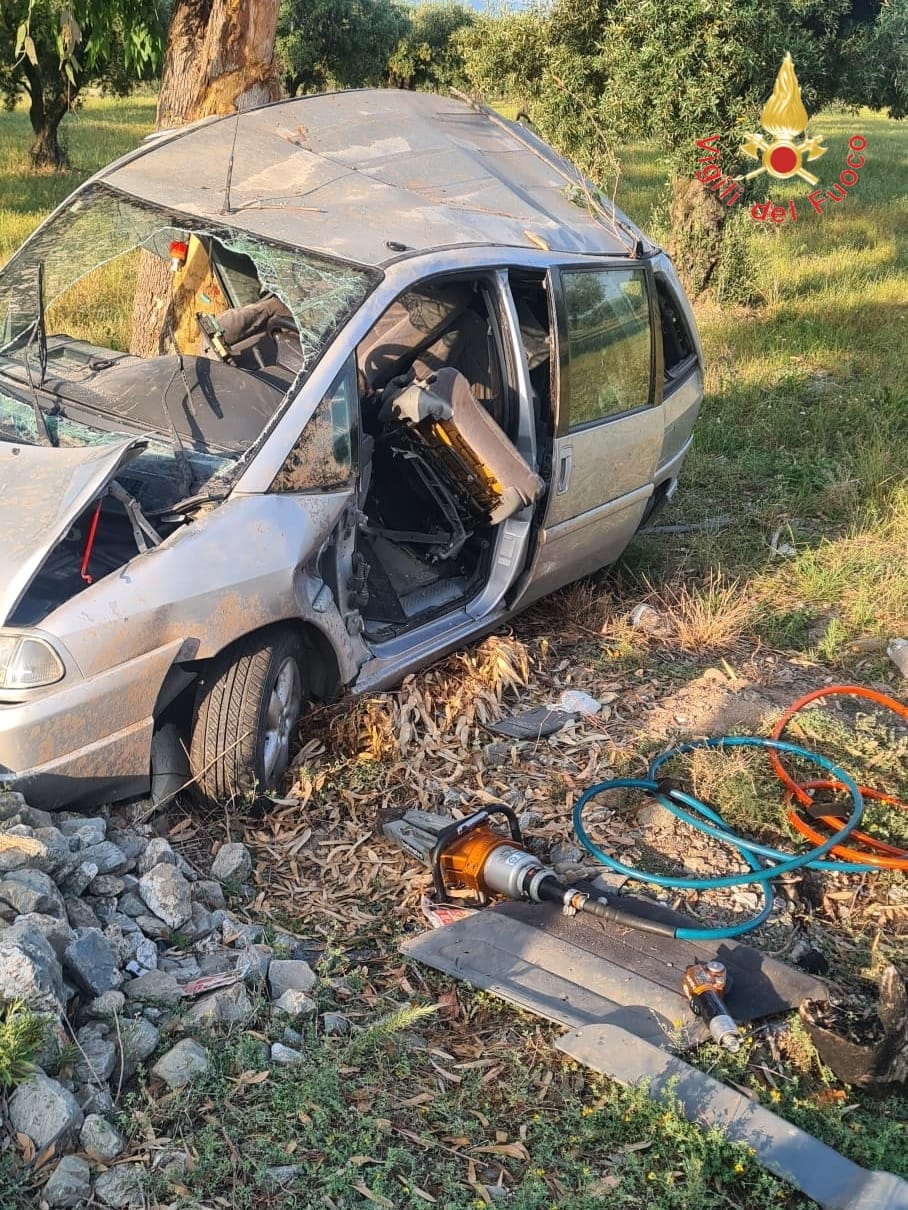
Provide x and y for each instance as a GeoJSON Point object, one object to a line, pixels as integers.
{"type": "Point", "coordinates": [765, 863]}
{"type": "Point", "coordinates": [873, 853]}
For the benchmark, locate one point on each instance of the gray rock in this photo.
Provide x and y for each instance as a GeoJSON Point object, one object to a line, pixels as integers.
{"type": "Point", "coordinates": [36, 818]}
{"type": "Point", "coordinates": [295, 1004]}
{"type": "Point", "coordinates": [91, 962]}
{"type": "Point", "coordinates": [289, 974]}
{"type": "Point", "coordinates": [32, 891]}
{"type": "Point", "coordinates": [80, 915]}
{"type": "Point", "coordinates": [99, 1139]}
{"type": "Point", "coordinates": [153, 926]}
{"type": "Point", "coordinates": [155, 987]}
{"type": "Point", "coordinates": [183, 969]}
{"type": "Point", "coordinates": [235, 933]}
{"type": "Point", "coordinates": [107, 885]}
{"type": "Point", "coordinates": [88, 831]}
{"type": "Point", "coordinates": [166, 892]}
{"type": "Point", "coordinates": [97, 1055]}
{"type": "Point", "coordinates": [158, 851]}
{"type": "Point", "coordinates": [139, 1039]}
{"type": "Point", "coordinates": [29, 970]}
{"type": "Point", "coordinates": [130, 842]}
{"type": "Point", "coordinates": [279, 1176]}
{"type": "Point", "coordinates": [131, 904]}
{"type": "Point", "coordinates": [285, 1056]}
{"type": "Point", "coordinates": [93, 1099]}
{"type": "Point", "coordinates": [181, 1064]}
{"type": "Point", "coordinates": [200, 924]}
{"type": "Point", "coordinates": [56, 932]}
{"type": "Point", "coordinates": [69, 1184]}
{"type": "Point", "coordinates": [292, 1037]}
{"type": "Point", "coordinates": [336, 1023]}
{"type": "Point", "coordinates": [108, 857]}
{"type": "Point", "coordinates": [21, 849]}
{"type": "Point", "coordinates": [79, 878]}
{"type": "Point", "coordinates": [225, 1006]}
{"type": "Point", "coordinates": [565, 854]}
{"type": "Point", "coordinates": [252, 964]}
{"type": "Point", "coordinates": [110, 1004]}
{"type": "Point", "coordinates": [11, 803]}
{"type": "Point", "coordinates": [530, 820]}
{"type": "Point", "coordinates": [58, 863]}
{"type": "Point", "coordinates": [216, 963]}
{"type": "Point", "coordinates": [44, 1110]}
{"type": "Point", "coordinates": [210, 893]}
{"type": "Point", "coordinates": [147, 954]}
{"type": "Point", "coordinates": [122, 1187]}
{"type": "Point", "coordinates": [232, 864]}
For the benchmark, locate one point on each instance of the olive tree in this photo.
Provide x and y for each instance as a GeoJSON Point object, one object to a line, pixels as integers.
{"type": "Point", "coordinates": [52, 51]}
{"type": "Point", "coordinates": [325, 44]}
{"type": "Point", "coordinates": [428, 55]}
{"type": "Point", "coordinates": [592, 75]}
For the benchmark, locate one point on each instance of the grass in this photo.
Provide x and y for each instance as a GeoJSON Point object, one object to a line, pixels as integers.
{"type": "Point", "coordinates": [805, 421]}
{"type": "Point", "coordinates": [431, 1116]}
{"type": "Point", "coordinates": [98, 132]}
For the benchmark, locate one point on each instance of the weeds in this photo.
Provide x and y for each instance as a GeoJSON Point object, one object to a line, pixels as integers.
{"type": "Point", "coordinates": [23, 1033]}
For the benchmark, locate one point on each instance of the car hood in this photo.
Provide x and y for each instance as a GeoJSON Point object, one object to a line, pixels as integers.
{"type": "Point", "coordinates": [42, 491]}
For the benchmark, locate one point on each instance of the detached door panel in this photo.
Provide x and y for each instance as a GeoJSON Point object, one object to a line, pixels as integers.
{"type": "Point", "coordinates": [609, 421]}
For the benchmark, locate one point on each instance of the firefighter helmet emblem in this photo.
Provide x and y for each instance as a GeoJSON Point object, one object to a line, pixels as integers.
{"type": "Point", "coordinates": [785, 117]}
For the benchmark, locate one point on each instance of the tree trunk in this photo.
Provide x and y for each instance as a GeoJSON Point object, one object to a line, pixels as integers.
{"type": "Point", "coordinates": [45, 117]}
{"type": "Point", "coordinates": [697, 224]}
{"type": "Point", "coordinates": [219, 60]}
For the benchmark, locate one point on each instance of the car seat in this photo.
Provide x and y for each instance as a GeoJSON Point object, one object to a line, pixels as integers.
{"type": "Point", "coordinates": [468, 448]}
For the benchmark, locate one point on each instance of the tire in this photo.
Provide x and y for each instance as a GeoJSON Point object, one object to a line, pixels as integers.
{"type": "Point", "coordinates": [246, 712]}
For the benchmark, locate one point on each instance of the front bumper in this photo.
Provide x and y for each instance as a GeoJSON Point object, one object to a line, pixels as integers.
{"type": "Point", "coordinates": [85, 741]}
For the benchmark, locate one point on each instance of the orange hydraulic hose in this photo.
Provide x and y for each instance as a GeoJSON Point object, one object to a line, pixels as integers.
{"type": "Point", "coordinates": [881, 855]}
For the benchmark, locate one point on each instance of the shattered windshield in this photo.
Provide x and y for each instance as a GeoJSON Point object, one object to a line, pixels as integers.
{"type": "Point", "coordinates": [122, 319]}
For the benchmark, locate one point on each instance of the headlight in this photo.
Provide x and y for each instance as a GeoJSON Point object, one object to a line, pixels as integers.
{"type": "Point", "coordinates": [27, 662]}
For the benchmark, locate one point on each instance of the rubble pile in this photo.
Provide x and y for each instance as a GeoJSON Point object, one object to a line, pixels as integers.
{"type": "Point", "coordinates": [122, 946]}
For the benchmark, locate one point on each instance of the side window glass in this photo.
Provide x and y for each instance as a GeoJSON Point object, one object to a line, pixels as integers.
{"type": "Point", "coordinates": [610, 342]}
{"type": "Point", "coordinates": [323, 456]}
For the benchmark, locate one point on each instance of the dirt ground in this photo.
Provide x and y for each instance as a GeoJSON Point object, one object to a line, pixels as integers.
{"type": "Point", "coordinates": [324, 873]}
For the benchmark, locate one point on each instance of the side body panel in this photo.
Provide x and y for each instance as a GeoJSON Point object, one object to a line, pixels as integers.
{"type": "Point", "coordinates": [603, 471]}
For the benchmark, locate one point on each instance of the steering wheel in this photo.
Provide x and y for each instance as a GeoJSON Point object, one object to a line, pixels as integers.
{"type": "Point", "coordinates": [282, 323]}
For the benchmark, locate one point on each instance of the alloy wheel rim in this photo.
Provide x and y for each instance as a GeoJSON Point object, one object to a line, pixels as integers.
{"type": "Point", "coordinates": [284, 707]}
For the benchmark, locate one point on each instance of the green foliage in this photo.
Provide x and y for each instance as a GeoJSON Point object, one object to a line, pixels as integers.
{"type": "Point", "coordinates": [22, 1034]}
{"type": "Point", "coordinates": [675, 71]}
{"type": "Point", "coordinates": [880, 73]}
{"type": "Point", "coordinates": [428, 55]}
{"type": "Point", "coordinates": [52, 50]}
{"type": "Point", "coordinates": [324, 44]}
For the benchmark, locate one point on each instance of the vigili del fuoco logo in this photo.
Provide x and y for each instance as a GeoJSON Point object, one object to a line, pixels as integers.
{"type": "Point", "coordinates": [783, 156]}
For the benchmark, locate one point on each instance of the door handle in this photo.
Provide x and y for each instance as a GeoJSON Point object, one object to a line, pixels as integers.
{"type": "Point", "coordinates": [565, 464]}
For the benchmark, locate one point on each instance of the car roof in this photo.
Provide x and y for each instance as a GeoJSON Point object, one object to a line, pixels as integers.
{"type": "Point", "coordinates": [372, 174]}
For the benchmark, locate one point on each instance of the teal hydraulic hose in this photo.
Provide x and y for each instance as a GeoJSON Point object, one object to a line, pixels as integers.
{"type": "Point", "coordinates": [705, 819]}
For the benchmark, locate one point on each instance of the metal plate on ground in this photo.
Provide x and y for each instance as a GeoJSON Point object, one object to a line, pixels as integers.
{"type": "Point", "coordinates": [582, 971]}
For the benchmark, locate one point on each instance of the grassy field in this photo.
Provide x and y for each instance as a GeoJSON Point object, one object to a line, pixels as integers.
{"type": "Point", "coordinates": [804, 438]}
{"type": "Point", "coordinates": [804, 430]}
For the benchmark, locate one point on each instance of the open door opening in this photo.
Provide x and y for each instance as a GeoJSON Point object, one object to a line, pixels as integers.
{"type": "Point", "coordinates": [439, 466]}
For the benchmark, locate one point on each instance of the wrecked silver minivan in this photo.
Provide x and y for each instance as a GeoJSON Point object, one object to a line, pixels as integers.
{"type": "Point", "coordinates": [295, 402]}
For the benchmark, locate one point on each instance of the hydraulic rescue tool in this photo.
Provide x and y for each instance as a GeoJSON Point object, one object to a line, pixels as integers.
{"type": "Point", "coordinates": [470, 857]}
{"type": "Point", "coordinates": [704, 985]}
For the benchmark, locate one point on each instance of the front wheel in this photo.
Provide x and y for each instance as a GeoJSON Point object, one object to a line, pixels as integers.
{"type": "Point", "coordinates": [246, 714]}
